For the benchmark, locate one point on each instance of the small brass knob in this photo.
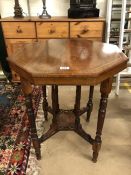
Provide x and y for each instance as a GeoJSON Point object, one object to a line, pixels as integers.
{"type": "Point", "coordinates": [84, 31]}
{"type": "Point", "coordinates": [78, 36]}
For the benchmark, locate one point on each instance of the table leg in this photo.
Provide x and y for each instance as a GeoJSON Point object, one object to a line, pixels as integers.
{"type": "Point", "coordinates": [77, 105]}
{"type": "Point", "coordinates": [45, 103]}
{"type": "Point", "coordinates": [90, 103]}
{"type": "Point", "coordinates": [78, 128]}
{"type": "Point", "coordinates": [54, 102]}
{"type": "Point", "coordinates": [27, 89]}
{"type": "Point", "coordinates": [57, 98]}
{"type": "Point", "coordinates": [105, 90]}
{"type": "Point", "coordinates": [55, 109]}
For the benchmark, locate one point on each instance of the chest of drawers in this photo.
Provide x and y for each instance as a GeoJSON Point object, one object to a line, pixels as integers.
{"type": "Point", "coordinates": [33, 29]}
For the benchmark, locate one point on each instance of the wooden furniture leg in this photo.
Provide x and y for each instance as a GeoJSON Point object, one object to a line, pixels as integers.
{"type": "Point", "coordinates": [90, 103]}
{"type": "Point", "coordinates": [55, 106]}
{"type": "Point", "coordinates": [57, 98]}
{"type": "Point", "coordinates": [54, 101]}
{"type": "Point", "coordinates": [27, 90]}
{"type": "Point", "coordinates": [45, 103]}
{"type": "Point", "coordinates": [77, 105]}
{"type": "Point", "coordinates": [105, 89]}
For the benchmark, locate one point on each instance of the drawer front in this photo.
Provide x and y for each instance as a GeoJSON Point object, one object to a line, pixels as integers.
{"type": "Point", "coordinates": [86, 29]}
{"type": "Point", "coordinates": [19, 29]}
{"type": "Point", "coordinates": [52, 29]}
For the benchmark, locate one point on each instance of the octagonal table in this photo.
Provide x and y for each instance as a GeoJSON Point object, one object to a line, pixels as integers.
{"type": "Point", "coordinates": [67, 62]}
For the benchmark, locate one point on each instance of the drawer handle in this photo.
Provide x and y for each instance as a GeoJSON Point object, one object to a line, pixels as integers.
{"type": "Point", "coordinates": [78, 36]}
{"type": "Point", "coordinates": [84, 31]}
{"type": "Point", "coordinates": [51, 31]}
{"type": "Point", "coordinates": [19, 30]}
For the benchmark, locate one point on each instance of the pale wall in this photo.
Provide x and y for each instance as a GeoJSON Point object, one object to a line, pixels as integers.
{"type": "Point", "coordinates": [54, 7]}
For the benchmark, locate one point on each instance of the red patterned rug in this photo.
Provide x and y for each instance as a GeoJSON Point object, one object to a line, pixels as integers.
{"type": "Point", "coordinates": [15, 140]}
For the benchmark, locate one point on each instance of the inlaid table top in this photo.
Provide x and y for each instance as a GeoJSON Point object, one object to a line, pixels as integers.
{"type": "Point", "coordinates": [63, 59]}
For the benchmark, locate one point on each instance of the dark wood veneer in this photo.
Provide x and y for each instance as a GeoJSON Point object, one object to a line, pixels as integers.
{"type": "Point", "coordinates": [67, 62]}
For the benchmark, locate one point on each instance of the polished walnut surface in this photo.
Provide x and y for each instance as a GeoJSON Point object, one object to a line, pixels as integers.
{"type": "Point", "coordinates": [57, 58]}
{"type": "Point", "coordinates": [67, 62]}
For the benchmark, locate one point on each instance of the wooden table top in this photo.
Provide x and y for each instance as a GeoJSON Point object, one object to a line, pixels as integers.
{"type": "Point", "coordinates": [67, 58]}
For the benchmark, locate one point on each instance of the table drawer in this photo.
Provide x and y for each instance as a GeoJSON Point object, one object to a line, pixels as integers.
{"type": "Point", "coordinates": [52, 29]}
{"type": "Point", "coordinates": [86, 29]}
{"type": "Point", "coordinates": [19, 29]}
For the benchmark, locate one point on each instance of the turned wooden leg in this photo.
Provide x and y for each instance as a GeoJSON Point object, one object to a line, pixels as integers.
{"type": "Point", "coordinates": [105, 90]}
{"type": "Point", "coordinates": [27, 89]}
{"type": "Point", "coordinates": [90, 103]}
{"type": "Point", "coordinates": [54, 103]}
{"type": "Point", "coordinates": [45, 103]}
{"type": "Point", "coordinates": [55, 107]}
{"type": "Point", "coordinates": [77, 105]}
{"type": "Point", "coordinates": [57, 98]}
